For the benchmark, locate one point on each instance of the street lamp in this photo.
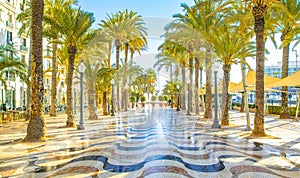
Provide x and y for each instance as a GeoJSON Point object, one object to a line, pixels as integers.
{"type": "Point", "coordinates": [296, 58]}
{"type": "Point", "coordinates": [178, 109]}
{"type": "Point", "coordinates": [216, 121]}
{"type": "Point", "coordinates": [81, 69]}
{"type": "Point", "coordinates": [112, 98]}
{"type": "Point", "coordinates": [189, 99]}
{"type": "Point", "coordinates": [126, 100]}
{"type": "Point", "coordinates": [74, 101]}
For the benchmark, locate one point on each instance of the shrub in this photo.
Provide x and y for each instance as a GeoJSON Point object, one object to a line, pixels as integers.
{"type": "Point", "coordinates": [153, 98]}
{"type": "Point", "coordinates": [160, 98]}
{"type": "Point", "coordinates": [143, 98]}
{"type": "Point", "coordinates": [132, 99]}
{"type": "Point", "coordinates": [166, 98]}
{"type": "Point", "coordinates": [277, 110]}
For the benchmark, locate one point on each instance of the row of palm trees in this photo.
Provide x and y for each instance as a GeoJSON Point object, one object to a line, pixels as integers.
{"type": "Point", "coordinates": [205, 31]}
{"type": "Point", "coordinates": [221, 32]}
{"type": "Point", "coordinates": [68, 28]}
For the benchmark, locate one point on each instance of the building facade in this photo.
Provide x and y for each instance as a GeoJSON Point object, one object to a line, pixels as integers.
{"type": "Point", "coordinates": [14, 96]}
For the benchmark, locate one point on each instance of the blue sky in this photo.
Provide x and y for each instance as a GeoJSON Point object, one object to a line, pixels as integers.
{"type": "Point", "coordinates": [146, 8]}
{"type": "Point", "coordinates": [157, 13]}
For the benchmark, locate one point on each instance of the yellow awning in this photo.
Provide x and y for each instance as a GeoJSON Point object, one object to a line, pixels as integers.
{"type": "Point", "coordinates": [292, 80]}
{"type": "Point", "coordinates": [251, 81]}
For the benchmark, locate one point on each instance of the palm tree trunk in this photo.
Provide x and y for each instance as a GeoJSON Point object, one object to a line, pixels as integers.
{"type": "Point", "coordinates": [248, 127]}
{"type": "Point", "coordinates": [124, 81]}
{"type": "Point", "coordinates": [225, 97]}
{"type": "Point", "coordinates": [117, 83]}
{"type": "Point", "coordinates": [53, 81]}
{"type": "Point", "coordinates": [191, 81]}
{"type": "Point", "coordinates": [36, 130]}
{"type": "Point", "coordinates": [29, 89]}
{"type": "Point", "coordinates": [284, 95]}
{"type": "Point", "coordinates": [183, 91]}
{"type": "Point", "coordinates": [91, 104]}
{"type": "Point", "coordinates": [202, 96]}
{"type": "Point", "coordinates": [72, 50]}
{"type": "Point", "coordinates": [259, 13]}
{"type": "Point", "coordinates": [104, 103]}
{"type": "Point", "coordinates": [208, 98]}
{"type": "Point", "coordinates": [197, 66]}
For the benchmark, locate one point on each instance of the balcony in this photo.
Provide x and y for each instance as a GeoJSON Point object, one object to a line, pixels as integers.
{"type": "Point", "coordinates": [9, 24]}
{"type": "Point", "coordinates": [23, 48]}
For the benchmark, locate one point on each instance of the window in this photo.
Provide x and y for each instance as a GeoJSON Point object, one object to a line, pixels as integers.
{"type": "Point", "coordinates": [10, 18]}
{"type": "Point", "coordinates": [9, 37]}
{"type": "Point", "coordinates": [23, 42]}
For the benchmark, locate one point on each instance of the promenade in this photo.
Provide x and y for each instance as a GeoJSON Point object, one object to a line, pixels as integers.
{"type": "Point", "coordinates": [154, 143]}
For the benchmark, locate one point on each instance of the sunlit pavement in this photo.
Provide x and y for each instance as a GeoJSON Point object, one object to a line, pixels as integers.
{"type": "Point", "coordinates": [151, 143]}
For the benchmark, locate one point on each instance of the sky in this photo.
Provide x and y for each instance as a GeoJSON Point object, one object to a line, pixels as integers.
{"type": "Point", "coordinates": [156, 14]}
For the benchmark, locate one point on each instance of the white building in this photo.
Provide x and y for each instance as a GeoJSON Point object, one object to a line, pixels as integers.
{"type": "Point", "coordinates": [15, 94]}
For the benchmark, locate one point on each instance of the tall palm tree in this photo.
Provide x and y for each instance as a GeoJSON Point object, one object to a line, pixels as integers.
{"type": "Point", "coordinates": [36, 130]}
{"type": "Point", "coordinates": [229, 48]}
{"type": "Point", "coordinates": [90, 76]}
{"type": "Point", "coordinates": [123, 26]}
{"type": "Point", "coordinates": [259, 9]}
{"type": "Point", "coordinates": [288, 17]}
{"type": "Point", "coordinates": [200, 17]}
{"type": "Point", "coordinates": [73, 25]}
{"type": "Point", "coordinates": [50, 6]}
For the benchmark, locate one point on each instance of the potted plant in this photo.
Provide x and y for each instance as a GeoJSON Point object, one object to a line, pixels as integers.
{"type": "Point", "coordinates": [160, 98]}
{"type": "Point", "coordinates": [153, 99]}
{"type": "Point", "coordinates": [143, 99]}
{"type": "Point", "coordinates": [132, 100]}
{"type": "Point", "coordinates": [166, 99]}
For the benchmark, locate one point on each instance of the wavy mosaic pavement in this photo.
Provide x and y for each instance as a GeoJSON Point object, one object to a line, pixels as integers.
{"type": "Point", "coordinates": [157, 143]}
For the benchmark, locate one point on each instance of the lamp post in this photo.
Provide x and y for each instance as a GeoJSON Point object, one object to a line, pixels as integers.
{"type": "Point", "coordinates": [74, 101]}
{"type": "Point", "coordinates": [216, 121]}
{"type": "Point", "coordinates": [178, 109]}
{"type": "Point", "coordinates": [112, 98]}
{"type": "Point", "coordinates": [81, 69]}
{"type": "Point", "coordinates": [126, 98]}
{"type": "Point", "coordinates": [189, 99]}
{"type": "Point", "coordinates": [296, 58]}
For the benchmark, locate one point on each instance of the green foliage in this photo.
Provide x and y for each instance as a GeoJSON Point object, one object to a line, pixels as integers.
{"type": "Point", "coordinates": [153, 98]}
{"type": "Point", "coordinates": [166, 98]}
{"type": "Point", "coordinates": [143, 98]}
{"type": "Point", "coordinates": [132, 99]}
{"type": "Point", "coordinates": [160, 98]}
{"type": "Point", "coordinates": [277, 110]}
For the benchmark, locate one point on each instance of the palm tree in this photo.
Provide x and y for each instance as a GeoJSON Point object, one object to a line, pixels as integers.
{"type": "Point", "coordinates": [229, 48]}
{"type": "Point", "coordinates": [25, 18]}
{"type": "Point", "coordinates": [288, 17]}
{"type": "Point", "coordinates": [200, 17]}
{"type": "Point", "coordinates": [36, 130]}
{"type": "Point", "coordinates": [50, 6]}
{"type": "Point", "coordinates": [123, 27]}
{"type": "Point", "coordinates": [103, 85]}
{"type": "Point", "coordinates": [90, 76]}
{"type": "Point", "coordinates": [259, 9]}
{"type": "Point", "coordinates": [73, 25]}
{"type": "Point", "coordinates": [11, 65]}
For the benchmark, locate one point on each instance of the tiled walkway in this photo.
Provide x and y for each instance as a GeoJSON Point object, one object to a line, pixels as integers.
{"type": "Point", "coordinates": [157, 143]}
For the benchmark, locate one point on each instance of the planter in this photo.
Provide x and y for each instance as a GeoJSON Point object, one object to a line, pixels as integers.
{"type": "Point", "coordinates": [160, 104]}
{"type": "Point", "coordinates": [166, 104]}
{"type": "Point", "coordinates": [132, 105]}
{"type": "Point", "coordinates": [143, 104]}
